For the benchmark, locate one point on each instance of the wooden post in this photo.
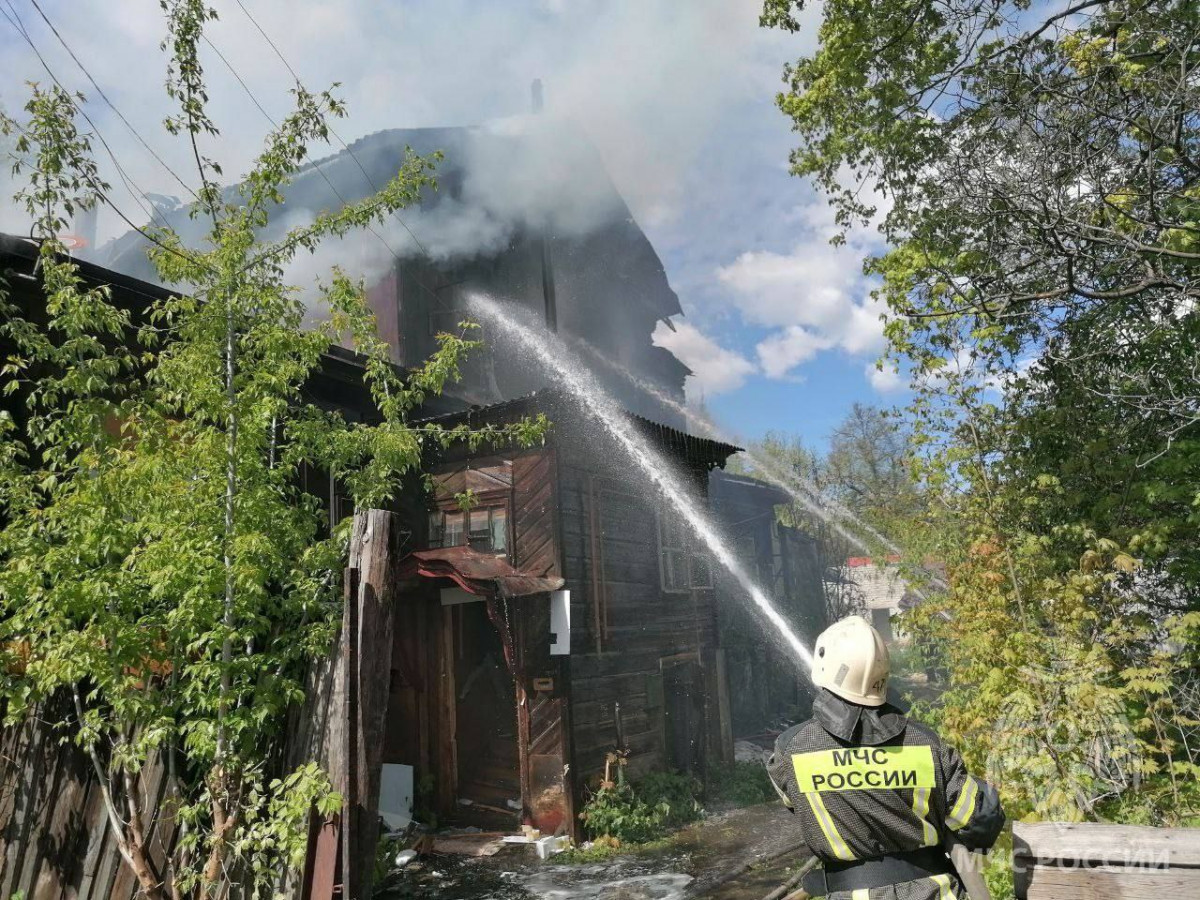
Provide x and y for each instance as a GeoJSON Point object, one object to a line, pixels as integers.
{"type": "Point", "coordinates": [1085, 861]}
{"type": "Point", "coordinates": [369, 624]}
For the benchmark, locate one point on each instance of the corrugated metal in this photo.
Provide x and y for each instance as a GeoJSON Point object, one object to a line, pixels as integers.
{"type": "Point", "coordinates": [563, 410]}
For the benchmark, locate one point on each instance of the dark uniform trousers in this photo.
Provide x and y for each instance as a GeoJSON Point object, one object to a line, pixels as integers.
{"type": "Point", "coordinates": [869, 783]}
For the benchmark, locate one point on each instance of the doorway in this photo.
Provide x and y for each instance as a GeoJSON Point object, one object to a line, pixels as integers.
{"type": "Point", "coordinates": [683, 713]}
{"type": "Point", "coordinates": [489, 784]}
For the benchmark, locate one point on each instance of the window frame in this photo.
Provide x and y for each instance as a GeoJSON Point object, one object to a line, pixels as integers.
{"type": "Point", "coordinates": [686, 556]}
{"type": "Point", "coordinates": [488, 504]}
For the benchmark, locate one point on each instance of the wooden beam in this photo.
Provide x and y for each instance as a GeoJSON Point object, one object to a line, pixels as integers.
{"type": "Point", "coordinates": [447, 714]}
{"type": "Point", "coordinates": [1110, 883]}
{"type": "Point", "coordinates": [369, 663]}
{"type": "Point", "coordinates": [1088, 861]}
{"type": "Point", "coordinates": [1114, 845]}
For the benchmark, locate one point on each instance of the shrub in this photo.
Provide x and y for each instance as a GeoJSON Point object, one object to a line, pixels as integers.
{"type": "Point", "coordinates": [619, 811]}
{"type": "Point", "coordinates": [676, 791]}
{"type": "Point", "coordinates": [742, 784]}
{"type": "Point", "coordinates": [616, 811]}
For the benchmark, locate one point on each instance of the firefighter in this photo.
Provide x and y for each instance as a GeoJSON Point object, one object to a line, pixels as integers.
{"type": "Point", "coordinates": [878, 796]}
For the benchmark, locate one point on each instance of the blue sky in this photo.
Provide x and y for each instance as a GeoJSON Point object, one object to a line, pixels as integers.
{"type": "Point", "coordinates": [678, 97]}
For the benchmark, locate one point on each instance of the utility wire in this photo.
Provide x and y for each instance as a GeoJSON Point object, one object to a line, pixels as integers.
{"type": "Point", "coordinates": [437, 297]}
{"type": "Point", "coordinates": [275, 125]}
{"type": "Point", "coordinates": [130, 185]}
{"type": "Point", "coordinates": [112, 106]}
{"type": "Point", "coordinates": [338, 137]}
{"type": "Point", "coordinates": [136, 192]}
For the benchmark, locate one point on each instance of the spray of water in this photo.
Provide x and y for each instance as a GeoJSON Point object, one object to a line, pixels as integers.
{"type": "Point", "coordinates": [800, 489]}
{"type": "Point", "coordinates": [554, 357]}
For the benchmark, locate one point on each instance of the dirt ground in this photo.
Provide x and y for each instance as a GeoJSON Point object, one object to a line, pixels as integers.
{"type": "Point", "coordinates": [694, 863]}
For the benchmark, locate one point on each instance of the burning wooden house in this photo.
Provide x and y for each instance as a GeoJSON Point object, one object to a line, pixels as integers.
{"type": "Point", "coordinates": [563, 613]}
{"type": "Point", "coordinates": [538, 608]}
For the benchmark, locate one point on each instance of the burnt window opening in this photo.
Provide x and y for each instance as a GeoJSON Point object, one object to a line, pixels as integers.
{"type": "Point", "coordinates": [683, 564]}
{"type": "Point", "coordinates": [446, 321]}
{"type": "Point", "coordinates": [484, 529]}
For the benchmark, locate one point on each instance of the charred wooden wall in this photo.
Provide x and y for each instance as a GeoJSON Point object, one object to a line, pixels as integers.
{"type": "Point", "coordinates": [766, 677]}
{"type": "Point", "coordinates": [643, 661]}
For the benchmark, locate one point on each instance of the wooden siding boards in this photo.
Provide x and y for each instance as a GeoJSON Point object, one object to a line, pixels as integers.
{"type": "Point", "coordinates": [45, 814]}
{"type": "Point", "coordinates": [639, 624]}
{"type": "Point", "coordinates": [766, 679]}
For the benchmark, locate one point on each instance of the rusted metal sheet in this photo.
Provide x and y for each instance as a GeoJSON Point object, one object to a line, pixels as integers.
{"type": "Point", "coordinates": [321, 859]}
{"type": "Point", "coordinates": [475, 572]}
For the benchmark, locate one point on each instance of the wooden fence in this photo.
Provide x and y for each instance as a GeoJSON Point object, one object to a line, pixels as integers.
{"type": "Point", "coordinates": [55, 840]}
{"type": "Point", "coordinates": [1055, 861]}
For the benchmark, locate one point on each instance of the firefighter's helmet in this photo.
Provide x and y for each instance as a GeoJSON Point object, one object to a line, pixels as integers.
{"type": "Point", "coordinates": [851, 660]}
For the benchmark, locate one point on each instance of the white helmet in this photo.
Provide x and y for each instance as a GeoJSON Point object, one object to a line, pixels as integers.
{"type": "Point", "coordinates": [851, 660]}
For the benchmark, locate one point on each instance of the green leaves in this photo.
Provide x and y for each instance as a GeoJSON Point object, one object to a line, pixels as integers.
{"type": "Point", "coordinates": [161, 560]}
{"type": "Point", "coordinates": [1039, 172]}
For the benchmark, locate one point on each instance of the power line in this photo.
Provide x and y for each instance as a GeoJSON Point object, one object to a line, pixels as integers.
{"type": "Point", "coordinates": [275, 125]}
{"type": "Point", "coordinates": [112, 106]}
{"type": "Point", "coordinates": [19, 26]}
{"type": "Point", "coordinates": [338, 137]}
{"type": "Point", "coordinates": [317, 164]}
{"type": "Point", "coordinates": [130, 185]}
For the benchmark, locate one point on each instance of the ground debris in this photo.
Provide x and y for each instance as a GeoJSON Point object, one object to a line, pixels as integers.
{"type": "Point", "coordinates": [689, 864]}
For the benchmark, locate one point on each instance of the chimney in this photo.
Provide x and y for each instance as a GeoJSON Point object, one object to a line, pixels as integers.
{"type": "Point", "coordinates": [551, 305]}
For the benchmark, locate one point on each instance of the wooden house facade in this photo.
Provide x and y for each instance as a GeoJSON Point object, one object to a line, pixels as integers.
{"type": "Point", "coordinates": [770, 685]}
{"type": "Point", "coordinates": [445, 660]}
{"type": "Point", "coordinates": [508, 730]}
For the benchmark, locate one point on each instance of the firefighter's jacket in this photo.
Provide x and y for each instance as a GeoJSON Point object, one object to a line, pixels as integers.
{"type": "Point", "coordinates": [868, 782]}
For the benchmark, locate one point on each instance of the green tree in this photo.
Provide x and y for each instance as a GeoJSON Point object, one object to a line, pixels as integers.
{"type": "Point", "coordinates": [159, 566]}
{"type": "Point", "coordinates": [1040, 169]}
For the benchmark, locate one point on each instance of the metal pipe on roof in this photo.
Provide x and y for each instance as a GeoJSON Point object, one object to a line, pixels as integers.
{"type": "Point", "coordinates": [537, 102]}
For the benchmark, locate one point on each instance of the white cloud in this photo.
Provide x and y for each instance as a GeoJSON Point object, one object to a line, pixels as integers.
{"type": "Point", "coordinates": [717, 370]}
{"type": "Point", "coordinates": [886, 379]}
{"type": "Point", "coordinates": [786, 349]}
{"type": "Point", "coordinates": [815, 297]}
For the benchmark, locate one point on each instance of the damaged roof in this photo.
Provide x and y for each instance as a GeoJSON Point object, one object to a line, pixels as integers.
{"type": "Point", "coordinates": [495, 181]}
{"type": "Point", "coordinates": [560, 407]}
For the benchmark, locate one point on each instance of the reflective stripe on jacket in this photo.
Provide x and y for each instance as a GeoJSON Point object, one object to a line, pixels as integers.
{"type": "Point", "coordinates": [867, 782]}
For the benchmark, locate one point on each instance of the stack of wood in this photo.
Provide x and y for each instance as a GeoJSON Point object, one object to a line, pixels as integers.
{"type": "Point", "coordinates": [1056, 861]}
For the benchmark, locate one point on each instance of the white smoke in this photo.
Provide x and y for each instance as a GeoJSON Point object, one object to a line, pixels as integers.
{"type": "Point", "coordinates": [645, 81]}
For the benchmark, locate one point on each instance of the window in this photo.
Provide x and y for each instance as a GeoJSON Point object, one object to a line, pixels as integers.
{"type": "Point", "coordinates": [489, 530]}
{"type": "Point", "coordinates": [484, 529]}
{"type": "Point", "coordinates": [683, 564]}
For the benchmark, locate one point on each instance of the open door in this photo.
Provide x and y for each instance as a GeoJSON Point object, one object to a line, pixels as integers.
{"type": "Point", "coordinates": [683, 712]}
{"type": "Point", "coordinates": [485, 710]}
{"type": "Point", "coordinates": [477, 705]}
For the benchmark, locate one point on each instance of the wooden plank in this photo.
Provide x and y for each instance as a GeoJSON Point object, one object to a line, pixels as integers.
{"type": "Point", "coordinates": [446, 715]}
{"type": "Point", "coordinates": [723, 712]}
{"type": "Point", "coordinates": [320, 863]}
{"type": "Point", "coordinates": [369, 681]}
{"type": "Point", "coordinates": [63, 831]}
{"type": "Point", "coordinates": [26, 753]}
{"type": "Point", "coordinates": [342, 737]}
{"type": "Point", "coordinates": [591, 665]}
{"type": "Point", "coordinates": [1109, 883]}
{"type": "Point", "coordinates": [1107, 844]}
